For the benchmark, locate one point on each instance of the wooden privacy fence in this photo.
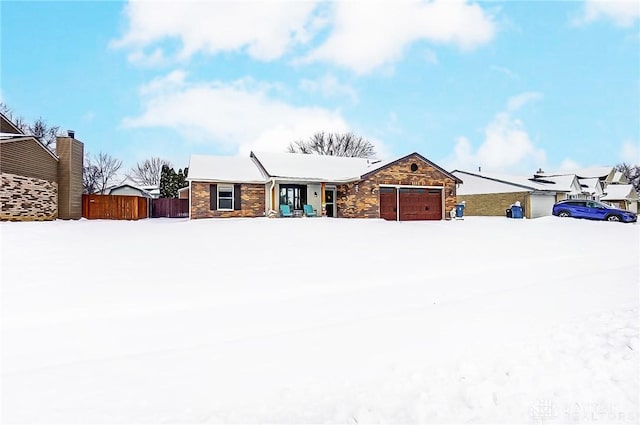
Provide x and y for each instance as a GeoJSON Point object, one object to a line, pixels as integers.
{"type": "Point", "coordinates": [114, 207]}
{"type": "Point", "coordinates": [170, 207]}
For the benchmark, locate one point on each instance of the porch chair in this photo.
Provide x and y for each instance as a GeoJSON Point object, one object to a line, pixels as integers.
{"type": "Point", "coordinates": [308, 210]}
{"type": "Point", "coordinates": [285, 211]}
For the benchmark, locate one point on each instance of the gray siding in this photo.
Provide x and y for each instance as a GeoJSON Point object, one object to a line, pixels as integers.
{"type": "Point", "coordinates": [27, 157]}
{"type": "Point", "coordinates": [70, 153]}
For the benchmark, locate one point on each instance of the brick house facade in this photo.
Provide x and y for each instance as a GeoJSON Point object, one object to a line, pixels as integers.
{"type": "Point", "coordinates": [409, 188]}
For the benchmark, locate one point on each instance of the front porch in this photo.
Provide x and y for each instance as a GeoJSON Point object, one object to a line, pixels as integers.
{"type": "Point", "coordinates": [319, 197]}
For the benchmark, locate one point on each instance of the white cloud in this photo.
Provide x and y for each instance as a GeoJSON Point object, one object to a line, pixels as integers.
{"type": "Point", "coordinates": [171, 81]}
{"type": "Point", "coordinates": [506, 147]}
{"type": "Point", "coordinates": [236, 116]}
{"type": "Point", "coordinates": [516, 102]}
{"type": "Point", "coordinates": [506, 71]}
{"type": "Point", "coordinates": [363, 36]}
{"type": "Point", "coordinates": [368, 35]}
{"type": "Point", "coordinates": [329, 86]}
{"type": "Point", "coordinates": [630, 152]}
{"type": "Point", "coordinates": [622, 13]}
{"type": "Point", "coordinates": [265, 29]}
{"type": "Point", "coordinates": [568, 164]}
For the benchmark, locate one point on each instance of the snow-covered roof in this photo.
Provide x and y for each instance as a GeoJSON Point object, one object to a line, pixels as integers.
{"type": "Point", "coordinates": [142, 191]}
{"type": "Point", "coordinates": [297, 166]}
{"type": "Point", "coordinates": [229, 169]}
{"type": "Point", "coordinates": [615, 192]}
{"type": "Point", "coordinates": [504, 183]}
{"type": "Point", "coordinates": [566, 183]}
{"type": "Point", "coordinates": [589, 172]}
{"type": "Point", "coordinates": [591, 185]}
{"type": "Point", "coordinates": [474, 185]}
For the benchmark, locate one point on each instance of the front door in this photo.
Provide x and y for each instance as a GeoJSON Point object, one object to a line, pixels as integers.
{"type": "Point", "coordinates": [329, 199]}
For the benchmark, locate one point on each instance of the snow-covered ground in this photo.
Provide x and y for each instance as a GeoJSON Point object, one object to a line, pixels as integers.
{"type": "Point", "coordinates": [486, 320]}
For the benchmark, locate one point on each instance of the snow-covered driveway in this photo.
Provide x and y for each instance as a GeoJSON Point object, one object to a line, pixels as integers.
{"type": "Point", "coordinates": [320, 320]}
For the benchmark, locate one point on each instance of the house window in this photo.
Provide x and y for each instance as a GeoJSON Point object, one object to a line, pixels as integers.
{"type": "Point", "coordinates": [225, 198]}
{"type": "Point", "coordinates": [294, 195]}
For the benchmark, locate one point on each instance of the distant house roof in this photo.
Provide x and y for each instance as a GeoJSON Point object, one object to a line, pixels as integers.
{"type": "Point", "coordinates": [503, 183]}
{"type": "Point", "coordinates": [617, 192]}
{"type": "Point", "coordinates": [581, 173]}
{"type": "Point", "coordinates": [143, 192]}
{"type": "Point", "coordinates": [228, 169]}
{"type": "Point", "coordinates": [591, 185]}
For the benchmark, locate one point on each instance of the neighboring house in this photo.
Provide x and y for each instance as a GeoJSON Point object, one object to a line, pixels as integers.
{"type": "Point", "coordinates": [592, 188]}
{"type": "Point", "coordinates": [408, 188]}
{"type": "Point", "coordinates": [131, 187]}
{"type": "Point", "coordinates": [489, 194]}
{"type": "Point", "coordinates": [127, 190]}
{"type": "Point", "coordinates": [37, 184]}
{"type": "Point", "coordinates": [622, 196]}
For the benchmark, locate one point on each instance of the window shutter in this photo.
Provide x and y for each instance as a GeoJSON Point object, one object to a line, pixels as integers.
{"type": "Point", "coordinates": [213, 196]}
{"type": "Point", "coordinates": [237, 200]}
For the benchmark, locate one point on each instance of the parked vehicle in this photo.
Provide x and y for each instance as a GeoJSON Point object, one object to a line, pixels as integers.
{"type": "Point", "coordinates": [579, 208]}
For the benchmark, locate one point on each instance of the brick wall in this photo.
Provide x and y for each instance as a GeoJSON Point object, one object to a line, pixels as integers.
{"type": "Point", "coordinates": [494, 204]}
{"type": "Point", "coordinates": [27, 198]}
{"type": "Point", "coordinates": [365, 204]}
{"type": "Point", "coordinates": [252, 195]}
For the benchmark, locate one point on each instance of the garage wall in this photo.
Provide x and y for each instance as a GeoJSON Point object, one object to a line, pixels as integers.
{"type": "Point", "coordinates": [493, 204]}
{"type": "Point", "coordinates": [361, 199]}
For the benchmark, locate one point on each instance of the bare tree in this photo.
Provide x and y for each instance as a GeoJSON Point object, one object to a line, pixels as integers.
{"type": "Point", "coordinates": [148, 172]}
{"type": "Point", "coordinates": [45, 133]}
{"type": "Point", "coordinates": [39, 128]}
{"type": "Point", "coordinates": [98, 172]}
{"type": "Point", "coordinates": [631, 172]}
{"type": "Point", "coordinates": [334, 144]}
{"type": "Point", "coordinates": [89, 176]}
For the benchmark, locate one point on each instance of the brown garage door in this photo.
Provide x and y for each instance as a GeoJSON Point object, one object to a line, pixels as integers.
{"type": "Point", "coordinates": [420, 204]}
{"type": "Point", "coordinates": [388, 203]}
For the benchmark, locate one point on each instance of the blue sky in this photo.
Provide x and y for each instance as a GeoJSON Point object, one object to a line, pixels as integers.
{"type": "Point", "coordinates": [509, 86]}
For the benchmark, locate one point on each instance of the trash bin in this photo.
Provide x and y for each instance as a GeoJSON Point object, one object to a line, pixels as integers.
{"type": "Point", "coordinates": [459, 210]}
{"type": "Point", "coordinates": [516, 211]}
{"type": "Point", "coordinates": [508, 212]}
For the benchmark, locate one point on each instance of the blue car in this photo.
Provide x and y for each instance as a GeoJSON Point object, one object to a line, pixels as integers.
{"type": "Point", "coordinates": [593, 210]}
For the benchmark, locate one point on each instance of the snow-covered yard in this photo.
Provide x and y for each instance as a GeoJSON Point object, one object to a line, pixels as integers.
{"type": "Point", "coordinates": [486, 320]}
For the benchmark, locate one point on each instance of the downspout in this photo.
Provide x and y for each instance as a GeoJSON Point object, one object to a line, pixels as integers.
{"type": "Point", "coordinates": [397, 203]}
{"type": "Point", "coordinates": [271, 194]}
{"type": "Point", "coordinates": [189, 199]}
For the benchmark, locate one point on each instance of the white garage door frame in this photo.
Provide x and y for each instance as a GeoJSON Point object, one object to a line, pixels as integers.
{"type": "Point", "coordinates": [542, 203]}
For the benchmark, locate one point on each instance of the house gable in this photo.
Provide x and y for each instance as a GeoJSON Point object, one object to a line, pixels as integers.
{"type": "Point", "coordinates": [6, 126]}
{"type": "Point", "coordinates": [362, 198]}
